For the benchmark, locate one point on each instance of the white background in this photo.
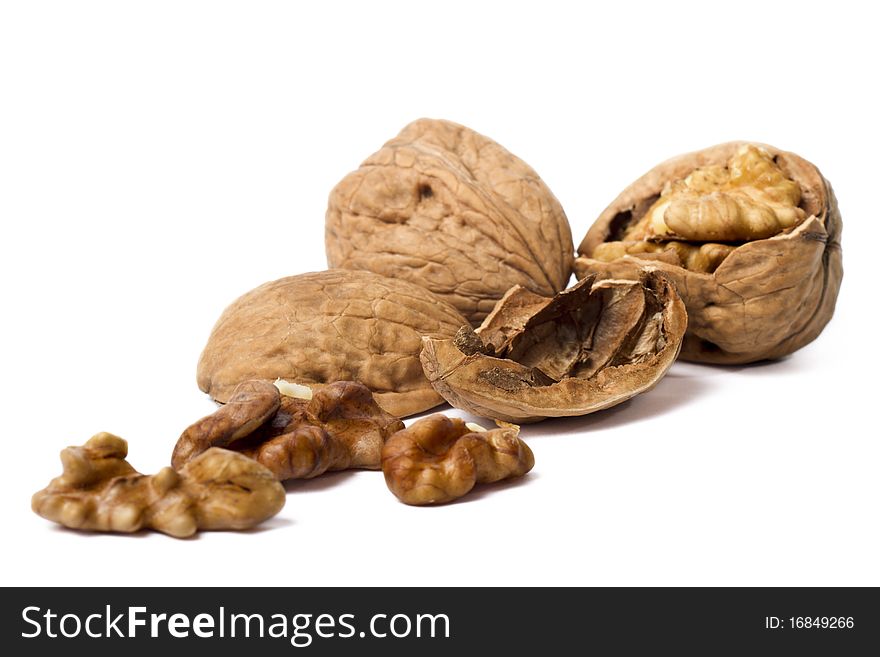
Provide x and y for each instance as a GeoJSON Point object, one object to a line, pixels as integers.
{"type": "Point", "coordinates": [157, 159]}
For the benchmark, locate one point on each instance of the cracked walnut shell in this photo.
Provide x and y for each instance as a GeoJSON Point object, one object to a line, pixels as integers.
{"type": "Point", "coordinates": [590, 347]}
{"type": "Point", "coordinates": [439, 459]}
{"type": "Point", "coordinates": [328, 326]}
{"type": "Point", "coordinates": [100, 491]}
{"type": "Point", "coordinates": [449, 209]}
{"type": "Point", "coordinates": [749, 234]}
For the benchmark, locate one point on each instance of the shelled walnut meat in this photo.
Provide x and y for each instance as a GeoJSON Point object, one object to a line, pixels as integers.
{"type": "Point", "coordinates": [449, 209]}
{"type": "Point", "coordinates": [590, 347]}
{"type": "Point", "coordinates": [100, 491]}
{"type": "Point", "coordinates": [335, 325]}
{"type": "Point", "coordinates": [439, 459]}
{"type": "Point", "coordinates": [749, 234]}
{"type": "Point", "coordinates": [293, 431]}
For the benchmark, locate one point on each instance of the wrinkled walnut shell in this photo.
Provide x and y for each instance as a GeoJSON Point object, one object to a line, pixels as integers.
{"type": "Point", "coordinates": [588, 348]}
{"type": "Point", "coordinates": [339, 427]}
{"type": "Point", "coordinates": [449, 209]}
{"type": "Point", "coordinates": [439, 459]}
{"type": "Point", "coordinates": [100, 491]}
{"type": "Point", "coordinates": [330, 326]}
{"type": "Point", "coordinates": [768, 297]}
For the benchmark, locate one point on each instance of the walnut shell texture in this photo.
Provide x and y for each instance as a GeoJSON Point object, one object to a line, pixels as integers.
{"type": "Point", "coordinates": [445, 207]}
{"type": "Point", "coordinates": [328, 326]}
{"type": "Point", "coordinates": [767, 297]}
{"type": "Point", "coordinates": [590, 347]}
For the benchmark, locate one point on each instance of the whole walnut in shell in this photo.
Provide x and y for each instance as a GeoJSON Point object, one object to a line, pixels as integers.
{"type": "Point", "coordinates": [588, 348]}
{"type": "Point", "coordinates": [445, 207]}
{"type": "Point", "coordinates": [328, 326]}
{"type": "Point", "coordinates": [749, 234]}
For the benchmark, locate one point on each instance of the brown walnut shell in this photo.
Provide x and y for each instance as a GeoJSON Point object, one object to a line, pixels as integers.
{"type": "Point", "coordinates": [590, 347]}
{"type": "Point", "coordinates": [445, 207]}
{"type": "Point", "coordinates": [767, 297]}
{"type": "Point", "coordinates": [330, 326]}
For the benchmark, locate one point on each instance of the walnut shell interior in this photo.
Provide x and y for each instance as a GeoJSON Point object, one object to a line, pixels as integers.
{"type": "Point", "coordinates": [590, 347]}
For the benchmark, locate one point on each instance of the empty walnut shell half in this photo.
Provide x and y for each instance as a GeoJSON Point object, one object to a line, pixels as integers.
{"type": "Point", "coordinates": [439, 459]}
{"type": "Point", "coordinates": [445, 207]}
{"type": "Point", "coordinates": [590, 347]}
{"type": "Point", "coordinates": [330, 326]}
{"type": "Point", "coordinates": [749, 234]}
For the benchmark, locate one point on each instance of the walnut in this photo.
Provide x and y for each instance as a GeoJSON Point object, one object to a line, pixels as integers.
{"type": "Point", "coordinates": [590, 347]}
{"type": "Point", "coordinates": [749, 198]}
{"type": "Point", "coordinates": [749, 234]}
{"type": "Point", "coordinates": [251, 405]}
{"type": "Point", "coordinates": [100, 491]}
{"type": "Point", "coordinates": [449, 209]}
{"type": "Point", "coordinates": [703, 258]}
{"type": "Point", "coordinates": [330, 326]}
{"type": "Point", "coordinates": [439, 459]}
{"type": "Point", "coordinates": [336, 427]}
